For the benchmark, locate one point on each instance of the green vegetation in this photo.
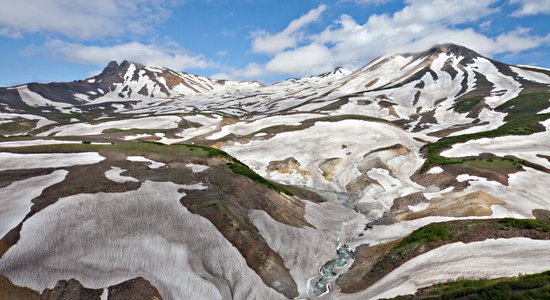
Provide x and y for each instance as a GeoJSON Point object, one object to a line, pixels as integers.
{"type": "Point", "coordinates": [166, 153]}
{"type": "Point", "coordinates": [429, 233]}
{"type": "Point", "coordinates": [506, 164]}
{"type": "Point", "coordinates": [534, 286]}
{"type": "Point", "coordinates": [242, 169]}
{"type": "Point", "coordinates": [522, 119]}
{"type": "Point", "coordinates": [16, 127]}
{"type": "Point", "coordinates": [368, 270]}
{"type": "Point", "coordinates": [410, 245]}
{"type": "Point", "coordinates": [467, 105]}
{"type": "Point", "coordinates": [219, 205]}
{"type": "Point", "coordinates": [210, 152]}
{"type": "Point", "coordinates": [543, 224]}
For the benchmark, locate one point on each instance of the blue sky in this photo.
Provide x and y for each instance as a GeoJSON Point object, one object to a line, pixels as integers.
{"type": "Point", "coordinates": [63, 40]}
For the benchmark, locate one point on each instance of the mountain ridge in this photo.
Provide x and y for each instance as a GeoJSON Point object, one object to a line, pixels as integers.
{"type": "Point", "coordinates": [317, 187]}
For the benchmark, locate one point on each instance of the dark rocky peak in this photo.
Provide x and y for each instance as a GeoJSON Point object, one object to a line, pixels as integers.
{"type": "Point", "coordinates": [449, 48]}
{"type": "Point", "coordinates": [337, 70]}
{"type": "Point", "coordinates": [115, 69]}
{"type": "Point", "coordinates": [113, 65]}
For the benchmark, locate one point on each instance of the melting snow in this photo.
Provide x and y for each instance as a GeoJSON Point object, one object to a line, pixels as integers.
{"type": "Point", "coordinates": [35, 143]}
{"type": "Point", "coordinates": [484, 259]}
{"type": "Point", "coordinates": [106, 238]}
{"type": "Point", "coordinates": [15, 199]}
{"type": "Point", "coordinates": [14, 161]}
{"type": "Point", "coordinates": [152, 164]}
{"type": "Point", "coordinates": [435, 170]}
{"type": "Point", "coordinates": [160, 122]}
{"type": "Point", "coordinates": [197, 168]}
{"type": "Point", "coordinates": [114, 175]}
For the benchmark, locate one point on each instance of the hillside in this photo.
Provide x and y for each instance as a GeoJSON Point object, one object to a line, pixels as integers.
{"type": "Point", "coordinates": [147, 180]}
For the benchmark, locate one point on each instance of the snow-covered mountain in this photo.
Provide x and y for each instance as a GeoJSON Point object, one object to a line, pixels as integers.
{"type": "Point", "coordinates": [127, 81]}
{"type": "Point", "coordinates": [352, 161]}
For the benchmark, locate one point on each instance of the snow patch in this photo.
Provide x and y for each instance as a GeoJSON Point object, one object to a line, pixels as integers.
{"type": "Point", "coordinates": [152, 164]}
{"type": "Point", "coordinates": [484, 259]}
{"type": "Point", "coordinates": [14, 161]}
{"type": "Point", "coordinates": [197, 168]}
{"type": "Point", "coordinates": [114, 175]}
{"type": "Point", "coordinates": [15, 199]}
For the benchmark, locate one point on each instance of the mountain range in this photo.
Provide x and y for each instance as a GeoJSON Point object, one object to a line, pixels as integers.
{"type": "Point", "coordinates": [146, 183]}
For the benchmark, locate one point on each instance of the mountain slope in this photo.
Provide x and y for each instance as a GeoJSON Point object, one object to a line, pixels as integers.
{"type": "Point", "coordinates": [313, 172]}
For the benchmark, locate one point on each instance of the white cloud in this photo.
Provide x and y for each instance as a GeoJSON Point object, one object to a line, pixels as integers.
{"type": "Point", "coordinates": [83, 19]}
{"type": "Point", "coordinates": [168, 55]}
{"type": "Point", "coordinates": [252, 70]}
{"type": "Point", "coordinates": [418, 26]}
{"type": "Point", "coordinates": [310, 59]}
{"type": "Point", "coordinates": [264, 42]}
{"type": "Point", "coordinates": [531, 7]}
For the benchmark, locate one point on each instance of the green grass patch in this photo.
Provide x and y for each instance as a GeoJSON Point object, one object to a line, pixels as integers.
{"type": "Point", "coordinates": [502, 165]}
{"type": "Point", "coordinates": [522, 119]}
{"type": "Point", "coordinates": [17, 127]}
{"type": "Point", "coordinates": [427, 234]}
{"type": "Point", "coordinates": [242, 169]}
{"type": "Point", "coordinates": [467, 105]}
{"type": "Point", "coordinates": [408, 246]}
{"type": "Point", "coordinates": [209, 152]}
{"type": "Point", "coordinates": [543, 224]}
{"type": "Point", "coordinates": [215, 204]}
{"type": "Point", "coordinates": [534, 286]}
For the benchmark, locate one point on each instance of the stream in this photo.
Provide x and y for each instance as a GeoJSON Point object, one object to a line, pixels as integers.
{"type": "Point", "coordinates": [322, 286]}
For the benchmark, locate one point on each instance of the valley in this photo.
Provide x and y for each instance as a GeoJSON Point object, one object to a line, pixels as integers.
{"type": "Point", "coordinates": [414, 170]}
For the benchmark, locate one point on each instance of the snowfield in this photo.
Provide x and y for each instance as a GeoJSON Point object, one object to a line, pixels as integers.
{"type": "Point", "coordinates": [161, 122]}
{"type": "Point", "coordinates": [322, 141]}
{"type": "Point", "coordinates": [525, 147]}
{"type": "Point", "coordinates": [15, 199]}
{"type": "Point", "coordinates": [361, 157]}
{"type": "Point", "coordinates": [84, 237]}
{"type": "Point", "coordinates": [14, 161]}
{"type": "Point", "coordinates": [246, 128]}
{"type": "Point", "coordinates": [485, 259]}
{"type": "Point", "coordinates": [35, 143]}
{"type": "Point", "coordinates": [525, 191]}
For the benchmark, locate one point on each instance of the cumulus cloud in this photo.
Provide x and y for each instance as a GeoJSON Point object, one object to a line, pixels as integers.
{"type": "Point", "coordinates": [82, 19]}
{"type": "Point", "coordinates": [264, 42]}
{"type": "Point", "coordinates": [167, 55]}
{"type": "Point", "coordinates": [252, 70]}
{"type": "Point", "coordinates": [531, 7]}
{"type": "Point", "coordinates": [313, 58]}
{"type": "Point", "coordinates": [417, 26]}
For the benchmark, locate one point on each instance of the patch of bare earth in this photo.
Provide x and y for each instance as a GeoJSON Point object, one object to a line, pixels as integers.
{"type": "Point", "coordinates": [473, 204]}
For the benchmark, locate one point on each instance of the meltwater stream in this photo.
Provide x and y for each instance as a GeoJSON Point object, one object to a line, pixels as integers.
{"type": "Point", "coordinates": [345, 254]}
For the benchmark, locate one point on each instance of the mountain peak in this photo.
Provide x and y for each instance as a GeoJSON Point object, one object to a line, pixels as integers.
{"type": "Point", "coordinates": [112, 65]}
{"type": "Point", "coordinates": [449, 48]}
